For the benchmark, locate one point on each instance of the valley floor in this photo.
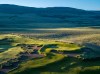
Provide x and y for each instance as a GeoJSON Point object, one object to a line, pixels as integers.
{"type": "Point", "coordinates": [50, 51]}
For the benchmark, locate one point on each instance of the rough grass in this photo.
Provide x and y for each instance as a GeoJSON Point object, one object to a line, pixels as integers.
{"type": "Point", "coordinates": [35, 63]}
{"type": "Point", "coordinates": [60, 46]}
{"type": "Point", "coordinates": [64, 66]}
{"type": "Point", "coordinates": [4, 47]}
{"type": "Point", "coordinates": [10, 54]}
{"type": "Point", "coordinates": [51, 64]}
{"type": "Point", "coordinates": [68, 47]}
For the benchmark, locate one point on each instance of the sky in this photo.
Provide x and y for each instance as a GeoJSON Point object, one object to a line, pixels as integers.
{"type": "Point", "coordinates": [80, 4]}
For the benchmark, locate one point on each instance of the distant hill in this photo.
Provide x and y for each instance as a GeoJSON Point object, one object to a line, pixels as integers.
{"type": "Point", "coordinates": [14, 16]}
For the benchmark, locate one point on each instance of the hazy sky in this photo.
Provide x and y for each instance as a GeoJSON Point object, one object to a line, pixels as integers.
{"type": "Point", "coordinates": [81, 4]}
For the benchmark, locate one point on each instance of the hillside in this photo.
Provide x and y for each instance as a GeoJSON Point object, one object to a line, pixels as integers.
{"type": "Point", "coordinates": [14, 16]}
{"type": "Point", "coordinates": [21, 54]}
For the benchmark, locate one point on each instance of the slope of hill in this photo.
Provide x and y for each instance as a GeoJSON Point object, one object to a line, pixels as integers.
{"type": "Point", "coordinates": [13, 16]}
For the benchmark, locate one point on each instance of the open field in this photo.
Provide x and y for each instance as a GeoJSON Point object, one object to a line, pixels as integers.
{"type": "Point", "coordinates": [50, 51]}
{"type": "Point", "coordinates": [74, 35]}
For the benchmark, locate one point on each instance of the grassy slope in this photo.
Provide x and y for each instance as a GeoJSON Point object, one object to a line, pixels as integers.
{"type": "Point", "coordinates": [20, 16]}
{"type": "Point", "coordinates": [43, 66]}
{"type": "Point", "coordinates": [10, 54]}
{"type": "Point", "coordinates": [60, 46]}
{"type": "Point", "coordinates": [65, 65]}
{"type": "Point", "coordinates": [35, 63]}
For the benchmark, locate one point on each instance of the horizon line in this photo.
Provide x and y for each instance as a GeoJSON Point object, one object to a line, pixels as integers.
{"type": "Point", "coordinates": [49, 7]}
